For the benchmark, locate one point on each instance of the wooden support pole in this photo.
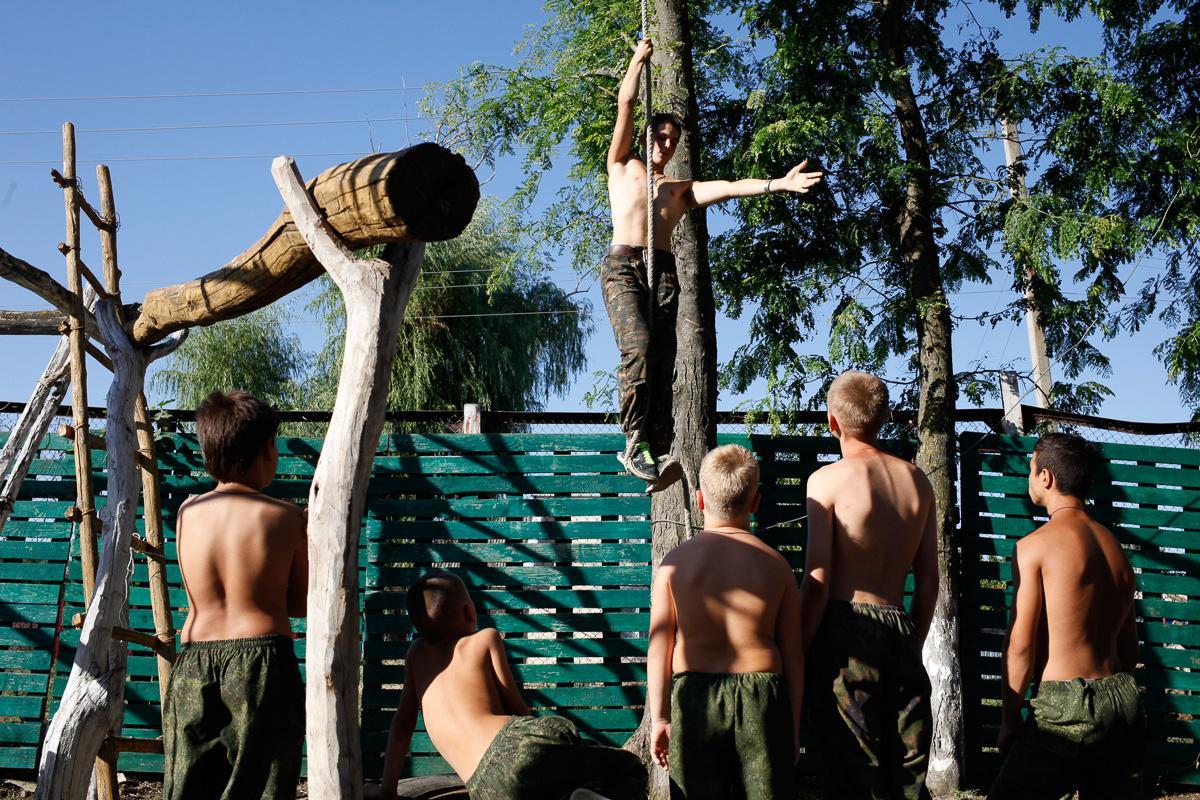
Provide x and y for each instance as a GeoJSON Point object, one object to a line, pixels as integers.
{"type": "Point", "coordinates": [147, 458]}
{"type": "Point", "coordinates": [38, 281]}
{"type": "Point", "coordinates": [83, 454]}
{"type": "Point", "coordinates": [85, 271]}
{"type": "Point", "coordinates": [102, 223]}
{"type": "Point", "coordinates": [375, 293]}
{"type": "Point", "coordinates": [472, 418]}
{"type": "Point", "coordinates": [30, 323]}
{"type": "Point", "coordinates": [93, 700]}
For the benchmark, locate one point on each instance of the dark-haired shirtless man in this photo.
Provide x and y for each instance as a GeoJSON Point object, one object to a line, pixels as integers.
{"type": "Point", "coordinates": [643, 316]}
{"type": "Point", "coordinates": [1073, 637]}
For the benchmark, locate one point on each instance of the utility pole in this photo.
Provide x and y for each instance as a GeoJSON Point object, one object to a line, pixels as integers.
{"type": "Point", "coordinates": [1033, 325]}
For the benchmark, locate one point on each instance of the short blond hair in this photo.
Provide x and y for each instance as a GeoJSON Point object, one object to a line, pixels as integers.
{"type": "Point", "coordinates": [729, 480]}
{"type": "Point", "coordinates": [859, 402]}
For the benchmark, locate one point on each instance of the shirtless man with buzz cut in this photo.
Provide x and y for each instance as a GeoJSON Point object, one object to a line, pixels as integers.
{"type": "Point", "coordinates": [1073, 636]}
{"type": "Point", "coordinates": [871, 518]}
{"type": "Point", "coordinates": [233, 722]}
{"type": "Point", "coordinates": [648, 363]}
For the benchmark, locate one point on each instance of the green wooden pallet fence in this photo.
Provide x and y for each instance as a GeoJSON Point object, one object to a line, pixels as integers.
{"type": "Point", "coordinates": [553, 539]}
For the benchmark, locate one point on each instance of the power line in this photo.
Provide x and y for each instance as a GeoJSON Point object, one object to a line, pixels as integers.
{"type": "Point", "coordinates": [184, 95]}
{"type": "Point", "coordinates": [217, 125]}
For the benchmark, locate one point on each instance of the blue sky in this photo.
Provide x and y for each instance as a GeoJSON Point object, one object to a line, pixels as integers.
{"type": "Point", "coordinates": [192, 198]}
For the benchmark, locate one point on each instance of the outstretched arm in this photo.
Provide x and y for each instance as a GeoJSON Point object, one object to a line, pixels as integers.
{"type": "Point", "coordinates": [706, 193]}
{"type": "Point", "coordinates": [620, 149]}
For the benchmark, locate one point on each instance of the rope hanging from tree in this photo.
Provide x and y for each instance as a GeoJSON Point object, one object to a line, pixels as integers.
{"type": "Point", "coordinates": [649, 172]}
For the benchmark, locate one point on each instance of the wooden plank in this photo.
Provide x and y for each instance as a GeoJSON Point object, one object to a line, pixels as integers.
{"type": "Point", "coordinates": [532, 507]}
{"type": "Point", "coordinates": [610, 622]}
{"type": "Point", "coordinates": [518, 648]}
{"type": "Point", "coordinates": [377, 674]}
{"type": "Point", "coordinates": [376, 529]}
{"type": "Point", "coordinates": [383, 485]}
{"type": "Point", "coordinates": [556, 600]}
{"type": "Point", "coordinates": [513, 552]}
{"type": "Point", "coordinates": [1188, 500]}
{"type": "Point", "coordinates": [478, 575]}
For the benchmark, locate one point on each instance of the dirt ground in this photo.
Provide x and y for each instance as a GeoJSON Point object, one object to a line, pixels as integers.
{"type": "Point", "coordinates": [152, 790]}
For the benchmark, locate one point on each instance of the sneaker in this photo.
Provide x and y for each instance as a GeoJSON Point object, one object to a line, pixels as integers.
{"type": "Point", "coordinates": [638, 460]}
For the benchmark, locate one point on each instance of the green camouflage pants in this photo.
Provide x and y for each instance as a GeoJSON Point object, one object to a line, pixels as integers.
{"type": "Point", "coordinates": [647, 367]}
{"type": "Point", "coordinates": [1080, 735]}
{"type": "Point", "coordinates": [233, 722]}
{"type": "Point", "coordinates": [731, 737]}
{"type": "Point", "coordinates": [866, 701]}
{"type": "Point", "coordinates": [545, 758]}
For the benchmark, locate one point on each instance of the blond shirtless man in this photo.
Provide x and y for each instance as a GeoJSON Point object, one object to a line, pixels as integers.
{"type": "Point", "coordinates": [643, 316]}
{"type": "Point", "coordinates": [233, 722]}
{"type": "Point", "coordinates": [871, 518]}
{"type": "Point", "coordinates": [1073, 637]}
{"type": "Point", "coordinates": [458, 677]}
{"type": "Point", "coordinates": [725, 666]}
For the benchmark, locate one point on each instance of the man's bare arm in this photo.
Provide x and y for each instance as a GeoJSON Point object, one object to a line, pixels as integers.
{"type": "Point", "coordinates": [1020, 646]}
{"type": "Point", "coordinates": [297, 599]}
{"type": "Point", "coordinates": [620, 149]}
{"type": "Point", "coordinates": [818, 558]}
{"type": "Point", "coordinates": [706, 193]}
{"type": "Point", "coordinates": [510, 692]}
{"type": "Point", "coordinates": [659, 659]}
{"type": "Point", "coordinates": [789, 634]}
{"type": "Point", "coordinates": [925, 570]}
{"type": "Point", "coordinates": [400, 733]}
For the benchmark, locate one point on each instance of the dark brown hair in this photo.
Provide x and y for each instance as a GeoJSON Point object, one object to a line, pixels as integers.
{"type": "Point", "coordinates": [663, 117]}
{"type": "Point", "coordinates": [434, 601]}
{"type": "Point", "coordinates": [1071, 459]}
{"type": "Point", "coordinates": [233, 428]}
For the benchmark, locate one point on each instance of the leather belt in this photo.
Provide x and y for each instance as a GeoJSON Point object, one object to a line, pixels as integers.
{"type": "Point", "coordinates": [627, 250]}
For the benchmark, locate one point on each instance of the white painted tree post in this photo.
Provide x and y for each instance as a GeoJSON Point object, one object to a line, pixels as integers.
{"type": "Point", "coordinates": [94, 698]}
{"type": "Point", "coordinates": [375, 293]}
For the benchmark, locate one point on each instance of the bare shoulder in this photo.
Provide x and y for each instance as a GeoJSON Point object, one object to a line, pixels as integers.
{"type": "Point", "coordinates": [823, 482]}
{"type": "Point", "coordinates": [417, 653]}
{"type": "Point", "coordinates": [1031, 548]}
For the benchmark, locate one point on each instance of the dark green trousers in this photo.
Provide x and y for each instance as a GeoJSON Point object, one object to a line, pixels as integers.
{"type": "Point", "coordinates": [233, 723]}
{"type": "Point", "coordinates": [545, 758]}
{"type": "Point", "coordinates": [867, 703]}
{"type": "Point", "coordinates": [731, 737]}
{"type": "Point", "coordinates": [1085, 736]}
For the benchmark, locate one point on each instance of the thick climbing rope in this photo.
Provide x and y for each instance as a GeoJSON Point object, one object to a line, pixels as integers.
{"type": "Point", "coordinates": [649, 174]}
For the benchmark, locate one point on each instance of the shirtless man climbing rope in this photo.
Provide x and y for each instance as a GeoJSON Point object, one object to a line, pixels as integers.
{"type": "Point", "coordinates": [643, 317]}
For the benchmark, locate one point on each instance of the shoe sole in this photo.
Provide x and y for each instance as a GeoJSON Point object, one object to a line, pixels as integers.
{"type": "Point", "coordinates": [669, 472]}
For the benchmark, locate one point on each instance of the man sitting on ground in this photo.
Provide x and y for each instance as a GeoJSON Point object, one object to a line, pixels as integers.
{"type": "Point", "coordinates": [233, 722]}
{"type": "Point", "coordinates": [871, 517]}
{"type": "Point", "coordinates": [459, 678]}
{"type": "Point", "coordinates": [1073, 637]}
{"type": "Point", "coordinates": [725, 667]}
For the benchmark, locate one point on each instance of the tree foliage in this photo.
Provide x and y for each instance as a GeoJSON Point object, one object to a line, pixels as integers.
{"type": "Point", "coordinates": [254, 352]}
{"type": "Point", "coordinates": [472, 334]}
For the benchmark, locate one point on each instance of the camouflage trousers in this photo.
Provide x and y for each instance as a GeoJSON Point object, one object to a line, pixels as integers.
{"type": "Point", "coordinates": [867, 703]}
{"type": "Point", "coordinates": [1080, 735]}
{"type": "Point", "coordinates": [545, 758]}
{"type": "Point", "coordinates": [731, 737]}
{"type": "Point", "coordinates": [644, 324]}
{"type": "Point", "coordinates": [233, 722]}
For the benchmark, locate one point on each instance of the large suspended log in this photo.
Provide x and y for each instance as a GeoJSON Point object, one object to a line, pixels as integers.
{"type": "Point", "coordinates": [424, 193]}
{"type": "Point", "coordinates": [31, 323]}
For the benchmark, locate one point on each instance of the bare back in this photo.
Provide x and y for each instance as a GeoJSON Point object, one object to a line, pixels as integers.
{"type": "Point", "coordinates": [461, 696]}
{"type": "Point", "coordinates": [1086, 592]}
{"type": "Point", "coordinates": [727, 591]}
{"type": "Point", "coordinates": [881, 506]}
{"type": "Point", "coordinates": [244, 559]}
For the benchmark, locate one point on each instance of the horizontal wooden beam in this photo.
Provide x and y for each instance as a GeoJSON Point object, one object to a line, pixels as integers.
{"type": "Point", "coordinates": [40, 283]}
{"type": "Point", "coordinates": [32, 323]}
{"type": "Point", "coordinates": [132, 744]}
{"type": "Point", "coordinates": [424, 193]}
{"type": "Point", "coordinates": [162, 649]}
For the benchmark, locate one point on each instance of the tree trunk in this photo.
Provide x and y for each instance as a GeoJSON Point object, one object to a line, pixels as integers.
{"type": "Point", "coordinates": [424, 193]}
{"type": "Point", "coordinates": [936, 453]}
{"type": "Point", "coordinates": [694, 397]}
{"type": "Point", "coordinates": [375, 293]}
{"type": "Point", "coordinates": [92, 703]}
